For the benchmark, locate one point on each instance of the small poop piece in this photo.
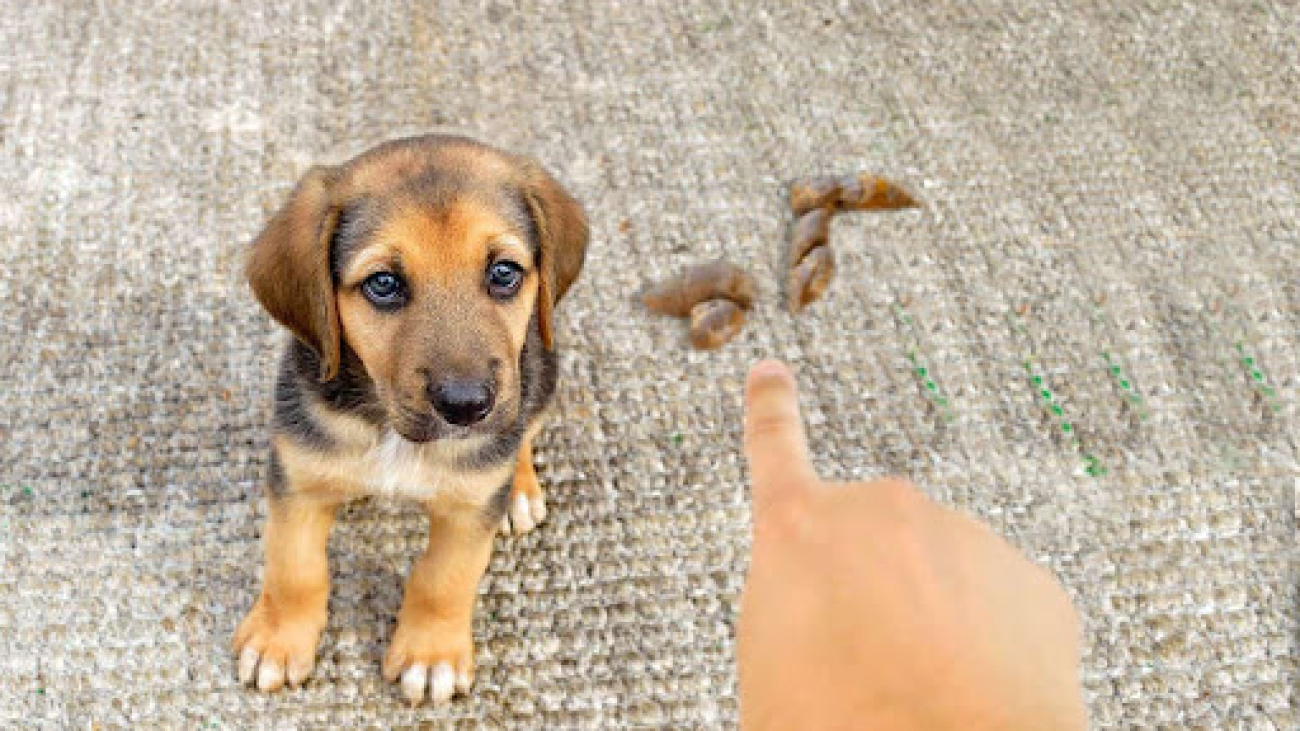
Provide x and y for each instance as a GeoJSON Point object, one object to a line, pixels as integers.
{"type": "Point", "coordinates": [713, 280]}
{"type": "Point", "coordinates": [813, 229]}
{"type": "Point", "coordinates": [714, 295]}
{"type": "Point", "coordinates": [858, 192]}
{"type": "Point", "coordinates": [815, 193]}
{"type": "Point", "coordinates": [810, 278]}
{"type": "Point", "coordinates": [866, 192]}
{"type": "Point", "coordinates": [714, 322]}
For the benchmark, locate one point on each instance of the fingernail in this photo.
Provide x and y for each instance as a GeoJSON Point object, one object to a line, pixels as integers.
{"type": "Point", "coordinates": [768, 369]}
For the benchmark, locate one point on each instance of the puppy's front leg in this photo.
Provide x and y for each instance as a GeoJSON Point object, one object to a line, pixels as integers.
{"type": "Point", "coordinates": [527, 508]}
{"type": "Point", "coordinates": [433, 648]}
{"type": "Point", "coordinates": [276, 642]}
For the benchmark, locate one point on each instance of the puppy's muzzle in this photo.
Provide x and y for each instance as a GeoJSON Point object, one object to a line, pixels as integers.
{"type": "Point", "coordinates": [462, 401]}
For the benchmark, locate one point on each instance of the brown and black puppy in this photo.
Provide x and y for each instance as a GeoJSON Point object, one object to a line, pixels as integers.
{"type": "Point", "coordinates": [420, 280]}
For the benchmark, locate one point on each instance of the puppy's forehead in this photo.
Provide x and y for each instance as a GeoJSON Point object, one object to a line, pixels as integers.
{"type": "Point", "coordinates": [438, 236]}
{"type": "Point", "coordinates": [432, 202]}
{"type": "Point", "coordinates": [451, 233]}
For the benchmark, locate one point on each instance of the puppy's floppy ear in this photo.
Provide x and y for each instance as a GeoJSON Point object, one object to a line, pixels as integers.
{"type": "Point", "coordinates": [289, 266]}
{"type": "Point", "coordinates": [562, 238]}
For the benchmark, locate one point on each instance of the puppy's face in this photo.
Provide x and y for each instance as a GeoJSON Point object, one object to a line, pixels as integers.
{"type": "Point", "coordinates": [435, 261]}
{"type": "Point", "coordinates": [436, 302]}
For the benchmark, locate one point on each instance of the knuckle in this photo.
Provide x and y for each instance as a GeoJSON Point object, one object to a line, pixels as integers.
{"type": "Point", "coordinates": [784, 512]}
{"type": "Point", "coordinates": [765, 426]}
{"type": "Point", "coordinates": [904, 513]}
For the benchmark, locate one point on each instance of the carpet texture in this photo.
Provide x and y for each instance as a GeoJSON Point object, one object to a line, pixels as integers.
{"type": "Point", "coordinates": [1110, 230]}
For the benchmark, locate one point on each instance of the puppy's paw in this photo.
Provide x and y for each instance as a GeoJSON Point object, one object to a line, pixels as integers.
{"type": "Point", "coordinates": [274, 648]}
{"type": "Point", "coordinates": [527, 507]}
{"type": "Point", "coordinates": [431, 660]}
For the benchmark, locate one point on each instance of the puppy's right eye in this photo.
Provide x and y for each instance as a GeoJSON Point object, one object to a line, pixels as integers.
{"type": "Point", "coordinates": [384, 290]}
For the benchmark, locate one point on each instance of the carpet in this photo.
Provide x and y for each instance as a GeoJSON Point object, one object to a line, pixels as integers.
{"type": "Point", "coordinates": [1087, 334]}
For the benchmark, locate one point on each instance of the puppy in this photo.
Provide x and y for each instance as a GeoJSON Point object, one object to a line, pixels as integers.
{"type": "Point", "coordinates": [420, 281]}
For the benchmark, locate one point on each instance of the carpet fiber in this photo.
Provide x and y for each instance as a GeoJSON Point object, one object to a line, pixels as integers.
{"type": "Point", "coordinates": [1087, 335]}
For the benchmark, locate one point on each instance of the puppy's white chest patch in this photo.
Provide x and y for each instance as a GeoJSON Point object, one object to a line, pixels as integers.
{"type": "Point", "coordinates": [399, 468]}
{"type": "Point", "coordinates": [396, 467]}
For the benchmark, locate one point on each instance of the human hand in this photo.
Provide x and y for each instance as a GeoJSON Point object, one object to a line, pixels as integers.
{"type": "Point", "coordinates": [867, 606]}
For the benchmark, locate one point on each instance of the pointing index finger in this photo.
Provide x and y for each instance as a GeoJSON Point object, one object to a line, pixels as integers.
{"type": "Point", "coordinates": [776, 447]}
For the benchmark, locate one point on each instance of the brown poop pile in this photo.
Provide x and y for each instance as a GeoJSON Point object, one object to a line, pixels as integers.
{"type": "Point", "coordinates": [812, 264]}
{"type": "Point", "coordinates": [714, 295]}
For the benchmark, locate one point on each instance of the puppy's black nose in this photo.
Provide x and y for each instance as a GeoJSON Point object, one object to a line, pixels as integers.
{"type": "Point", "coordinates": [463, 402]}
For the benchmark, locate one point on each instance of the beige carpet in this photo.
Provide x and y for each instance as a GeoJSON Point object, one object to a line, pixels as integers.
{"type": "Point", "coordinates": [1128, 181]}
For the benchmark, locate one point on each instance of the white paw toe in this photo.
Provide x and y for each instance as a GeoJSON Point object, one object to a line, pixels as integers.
{"type": "Point", "coordinates": [247, 665]}
{"type": "Point", "coordinates": [297, 672]}
{"type": "Point", "coordinates": [414, 681]}
{"type": "Point", "coordinates": [521, 515]}
{"type": "Point", "coordinates": [442, 683]}
{"type": "Point", "coordinates": [270, 675]}
{"type": "Point", "coordinates": [524, 514]}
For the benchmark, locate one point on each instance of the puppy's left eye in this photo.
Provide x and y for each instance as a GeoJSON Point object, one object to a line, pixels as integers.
{"type": "Point", "coordinates": [384, 290]}
{"type": "Point", "coordinates": [504, 278]}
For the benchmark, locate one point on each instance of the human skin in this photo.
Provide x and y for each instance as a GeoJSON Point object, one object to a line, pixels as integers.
{"type": "Point", "coordinates": [868, 606]}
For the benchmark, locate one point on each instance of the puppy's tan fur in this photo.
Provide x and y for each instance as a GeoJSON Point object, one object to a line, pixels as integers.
{"type": "Point", "coordinates": [355, 404]}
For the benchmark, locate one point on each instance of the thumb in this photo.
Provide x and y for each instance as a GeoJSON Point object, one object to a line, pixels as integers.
{"type": "Point", "coordinates": [775, 445]}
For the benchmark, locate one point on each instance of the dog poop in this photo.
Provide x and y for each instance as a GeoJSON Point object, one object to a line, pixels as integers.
{"type": "Point", "coordinates": [714, 322]}
{"type": "Point", "coordinates": [713, 280]}
{"type": "Point", "coordinates": [859, 192]}
{"type": "Point", "coordinates": [814, 202]}
{"type": "Point", "coordinates": [810, 278]}
{"type": "Point", "coordinates": [815, 193]}
{"type": "Point", "coordinates": [871, 193]}
{"type": "Point", "coordinates": [811, 230]}
{"type": "Point", "coordinates": [714, 295]}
